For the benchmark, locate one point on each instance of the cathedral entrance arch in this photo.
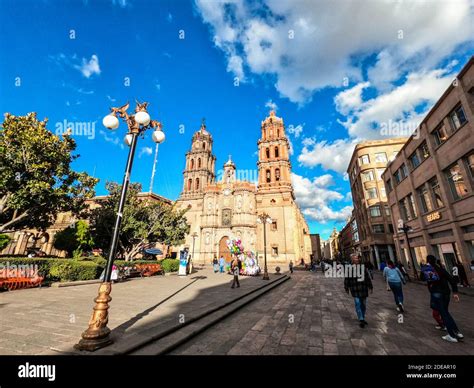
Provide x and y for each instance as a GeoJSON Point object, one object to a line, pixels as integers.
{"type": "Point", "coordinates": [224, 249]}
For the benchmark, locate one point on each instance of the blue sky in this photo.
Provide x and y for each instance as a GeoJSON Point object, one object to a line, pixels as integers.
{"type": "Point", "coordinates": [334, 81]}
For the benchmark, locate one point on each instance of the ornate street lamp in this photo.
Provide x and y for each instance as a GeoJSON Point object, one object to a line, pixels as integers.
{"type": "Point", "coordinates": [264, 219]}
{"type": "Point", "coordinates": [98, 334]}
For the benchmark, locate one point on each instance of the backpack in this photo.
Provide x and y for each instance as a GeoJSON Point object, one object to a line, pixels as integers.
{"type": "Point", "coordinates": [429, 273]}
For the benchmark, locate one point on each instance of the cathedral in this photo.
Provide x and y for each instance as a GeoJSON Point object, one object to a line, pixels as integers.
{"type": "Point", "coordinates": [228, 207]}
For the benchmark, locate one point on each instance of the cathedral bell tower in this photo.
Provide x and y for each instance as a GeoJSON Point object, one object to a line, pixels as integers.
{"type": "Point", "coordinates": [200, 165]}
{"type": "Point", "coordinates": [274, 167]}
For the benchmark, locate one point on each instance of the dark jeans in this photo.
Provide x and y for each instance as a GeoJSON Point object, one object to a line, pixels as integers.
{"type": "Point", "coordinates": [360, 307]}
{"type": "Point", "coordinates": [235, 281]}
{"type": "Point", "coordinates": [441, 303]}
{"type": "Point", "coordinates": [397, 292]}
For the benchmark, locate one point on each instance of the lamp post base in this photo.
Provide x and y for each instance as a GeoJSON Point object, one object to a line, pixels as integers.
{"type": "Point", "coordinates": [265, 275]}
{"type": "Point", "coordinates": [97, 334]}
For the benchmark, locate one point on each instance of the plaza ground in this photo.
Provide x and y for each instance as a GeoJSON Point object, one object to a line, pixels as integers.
{"type": "Point", "coordinates": [308, 314]}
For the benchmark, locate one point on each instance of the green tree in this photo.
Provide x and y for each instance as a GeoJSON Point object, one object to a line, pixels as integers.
{"type": "Point", "coordinates": [36, 179]}
{"type": "Point", "coordinates": [4, 241]}
{"type": "Point", "coordinates": [74, 239]}
{"type": "Point", "coordinates": [143, 222]}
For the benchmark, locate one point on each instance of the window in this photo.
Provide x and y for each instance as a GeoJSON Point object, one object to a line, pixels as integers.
{"type": "Point", "coordinates": [414, 160]}
{"type": "Point", "coordinates": [390, 228]}
{"type": "Point", "coordinates": [197, 183]}
{"type": "Point", "coordinates": [192, 164]}
{"type": "Point", "coordinates": [267, 152]}
{"type": "Point", "coordinates": [190, 184]}
{"type": "Point", "coordinates": [372, 193]}
{"type": "Point", "coordinates": [424, 151]}
{"type": "Point", "coordinates": [379, 171]}
{"type": "Point", "coordinates": [381, 157]}
{"type": "Point", "coordinates": [375, 211]}
{"type": "Point", "coordinates": [456, 181]}
{"type": "Point", "coordinates": [277, 174]}
{"type": "Point", "coordinates": [268, 176]}
{"type": "Point", "coordinates": [387, 210]}
{"type": "Point", "coordinates": [404, 212]}
{"type": "Point", "coordinates": [364, 159]}
{"type": "Point", "coordinates": [378, 228]}
{"type": "Point", "coordinates": [425, 200]}
{"type": "Point", "coordinates": [401, 173]}
{"type": "Point", "coordinates": [388, 183]}
{"type": "Point", "coordinates": [411, 202]}
{"type": "Point", "coordinates": [436, 191]}
{"type": "Point", "coordinates": [457, 118]}
{"type": "Point", "coordinates": [199, 162]}
{"type": "Point", "coordinates": [274, 225]}
{"type": "Point", "coordinates": [383, 193]}
{"type": "Point", "coordinates": [203, 145]}
{"type": "Point", "coordinates": [367, 175]}
{"type": "Point", "coordinates": [275, 251]}
{"type": "Point", "coordinates": [440, 134]}
{"type": "Point", "coordinates": [470, 164]}
{"type": "Point", "coordinates": [276, 152]}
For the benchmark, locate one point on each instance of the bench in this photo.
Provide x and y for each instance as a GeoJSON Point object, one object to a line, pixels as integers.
{"type": "Point", "coordinates": [149, 269]}
{"type": "Point", "coordinates": [20, 282]}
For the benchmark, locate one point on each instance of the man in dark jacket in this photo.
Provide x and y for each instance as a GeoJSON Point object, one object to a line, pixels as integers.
{"type": "Point", "coordinates": [439, 281]}
{"type": "Point", "coordinates": [359, 287]}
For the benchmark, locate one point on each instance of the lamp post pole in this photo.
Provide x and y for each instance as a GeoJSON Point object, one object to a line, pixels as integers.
{"type": "Point", "coordinates": [97, 334]}
{"type": "Point", "coordinates": [264, 219]}
{"type": "Point", "coordinates": [405, 229]}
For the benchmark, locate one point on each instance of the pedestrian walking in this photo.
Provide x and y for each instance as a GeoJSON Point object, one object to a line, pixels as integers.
{"type": "Point", "coordinates": [221, 264]}
{"type": "Point", "coordinates": [291, 266]}
{"type": "Point", "coordinates": [461, 274]}
{"type": "Point", "coordinates": [235, 268]}
{"type": "Point", "coordinates": [370, 269]}
{"type": "Point", "coordinates": [439, 282]}
{"type": "Point", "coordinates": [215, 264]}
{"type": "Point", "coordinates": [359, 287]}
{"type": "Point", "coordinates": [395, 279]}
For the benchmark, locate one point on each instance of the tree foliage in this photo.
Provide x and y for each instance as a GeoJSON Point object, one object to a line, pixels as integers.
{"type": "Point", "coordinates": [144, 222]}
{"type": "Point", "coordinates": [36, 178]}
{"type": "Point", "coordinates": [4, 240]}
{"type": "Point", "coordinates": [74, 239]}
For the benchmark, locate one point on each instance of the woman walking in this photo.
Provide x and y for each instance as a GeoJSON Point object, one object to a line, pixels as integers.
{"type": "Point", "coordinates": [215, 264]}
{"type": "Point", "coordinates": [395, 279]}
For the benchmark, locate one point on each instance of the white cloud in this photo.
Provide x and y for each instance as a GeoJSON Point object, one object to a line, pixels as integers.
{"type": "Point", "coordinates": [333, 156]}
{"type": "Point", "coordinates": [111, 99]}
{"type": "Point", "coordinates": [145, 151]}
{"type": "Point", "coordinates": [89, 67]}
{"type": "Point", "coordinates": [109, 139]}
{"type": "Point", "coordinates": [308, 45]}
{"type": "Point", "coordinates": [365, 119]}
{"type": "Point", "coordinates": [169, 17]}
{"type": "Point", "coordinates": [271, 105]}
{"type": "Point", "coordinates": [314, 197]}
{"type": "Point", "coordinates": [350, 99]}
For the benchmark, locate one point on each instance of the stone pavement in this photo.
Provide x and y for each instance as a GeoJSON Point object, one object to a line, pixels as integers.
{"type": "Point", "coordinates": [312, 315]}
{"type": "Point", "coordinates": [51, 320]}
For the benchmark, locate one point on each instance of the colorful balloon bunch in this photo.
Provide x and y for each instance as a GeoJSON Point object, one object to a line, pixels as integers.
{"type": "Point", "coordinates": [235, 246]}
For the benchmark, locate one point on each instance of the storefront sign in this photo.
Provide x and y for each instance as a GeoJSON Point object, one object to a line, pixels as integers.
{"type": "Point", "coordinates": [433, 216]}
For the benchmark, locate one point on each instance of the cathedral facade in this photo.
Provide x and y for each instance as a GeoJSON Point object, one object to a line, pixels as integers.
{"type": "Point", "coordinates": [219, 209]}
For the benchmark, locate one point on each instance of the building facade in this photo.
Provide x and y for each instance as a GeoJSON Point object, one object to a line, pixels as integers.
{"type": "Point", "coordinates": [316, 254]}
{"type": "Point", "coordinates": [224, 208]}
{"type": "Point", "coordinates": [371, 211]}
{"type": "Point", "coordinates": [430, 184]}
